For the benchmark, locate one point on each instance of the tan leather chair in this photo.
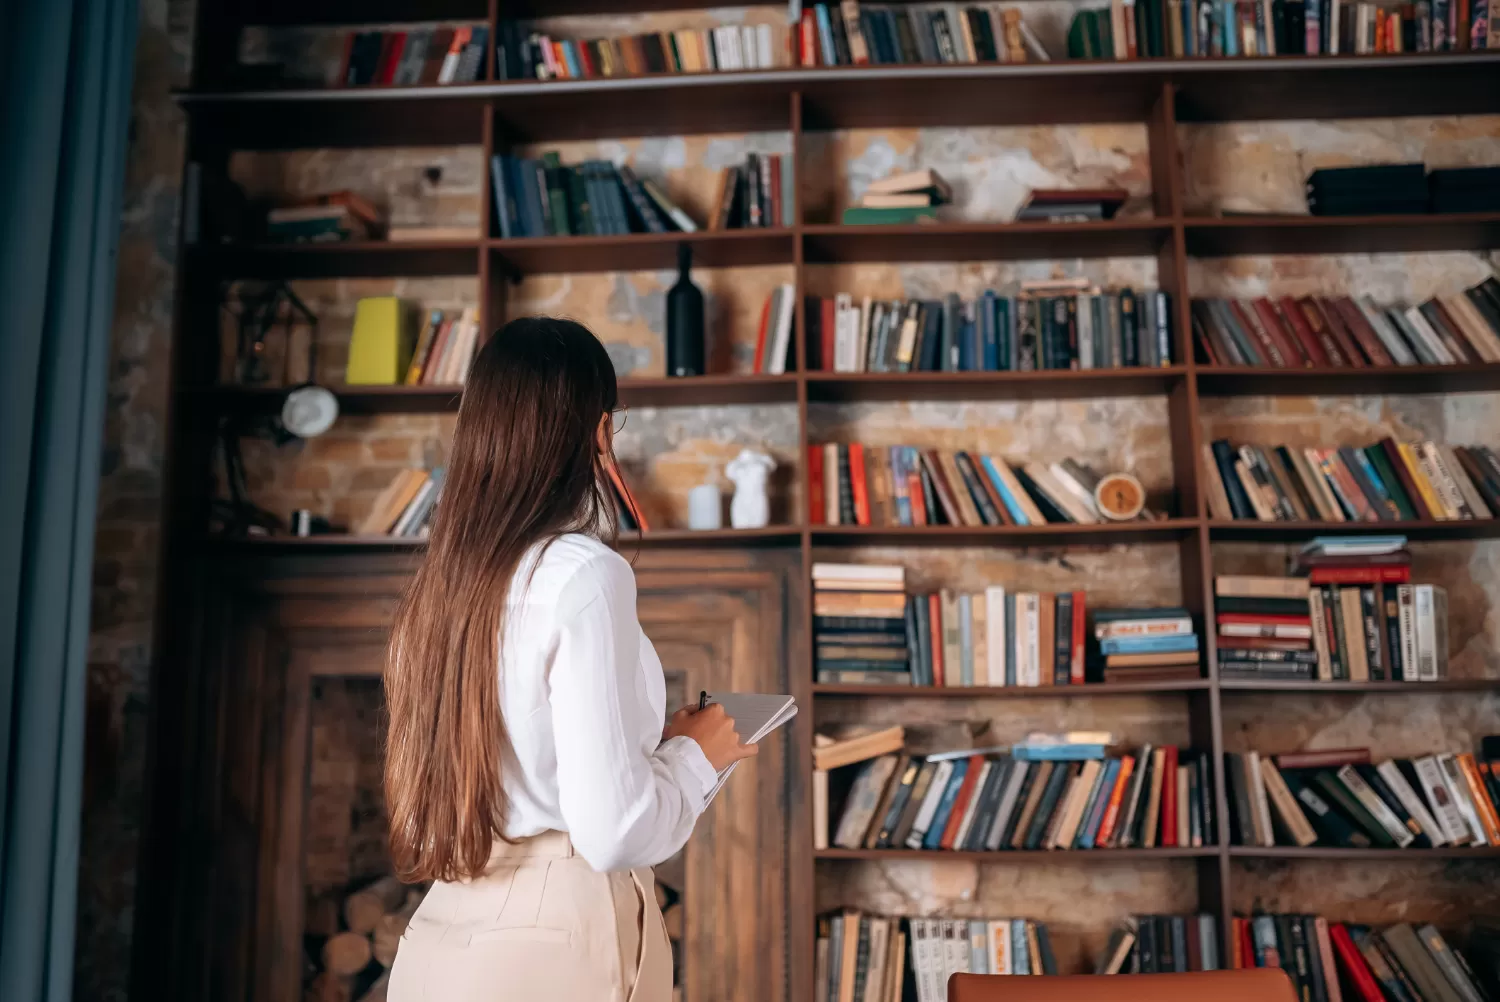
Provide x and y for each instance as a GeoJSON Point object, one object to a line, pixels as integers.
{"type": "Point", "coordinates": [1264, 984]}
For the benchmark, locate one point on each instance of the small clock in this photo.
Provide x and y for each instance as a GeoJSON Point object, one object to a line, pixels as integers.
{"type": "Point", "coordinates": [1120, 497]}
{"type": "Point", "coordinates": [309, 411]}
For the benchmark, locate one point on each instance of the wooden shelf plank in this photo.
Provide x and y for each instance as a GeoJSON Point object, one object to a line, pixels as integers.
{"type": "Point", "coordinates": [1228, 381]}
{"type": "Point", "coordinates": [344, 259]}
{"type": "Point", "coordinates": [645, 251]}
{"type": "Point", "coordinates": [339, 542]}
{"type": "Point", "coordinates": [848, 97]}
{"type": "Point", "coordinates": [1092, 690]}
{"type": "Point", "coordinates": [836, 244]}
{"type": "Point", "coordinates": [1017, 855]}
{"type": "Point", "coordinates": [1046, 384]}
{"type": "Point", "coordinates": [1294, 532]}
{"type": "Point", "coordinates": [1329, 852]}
{"type": "Point", "coordinates": [1238, 235]}
{"type": "Point", "coordinates": [1412, 688]}
{"type": "Point", "coordinates": [1003, 535]}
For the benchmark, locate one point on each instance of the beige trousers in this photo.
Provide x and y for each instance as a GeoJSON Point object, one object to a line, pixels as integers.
{"type": "Point", "coordinates": [539, 924]}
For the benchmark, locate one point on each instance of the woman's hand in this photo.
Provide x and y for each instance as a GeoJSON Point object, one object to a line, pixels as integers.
{"type": "Point", "coordinates": [714, 731]}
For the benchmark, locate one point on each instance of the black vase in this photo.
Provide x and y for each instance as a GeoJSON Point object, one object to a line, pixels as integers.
{"type": "Point", "coordinates": [684, 320]}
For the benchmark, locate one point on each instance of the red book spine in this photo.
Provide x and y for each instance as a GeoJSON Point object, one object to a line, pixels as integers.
{"type": "Point", "coordinates": [1290, 346]}
{"type": "Point", "coordinates": [1331, 340]}
{"type": "Point", "coordinates": [860, 482]}
{"type": "Point", "coordinates": [1075, 670]}
{"type": "Point", "coordinates": [961, 802]}
{"type": "Point", "coordinates": [817, 511]}
{"type": "Point", "coordinates": [1236, 945]}
{"type": "Point", "coordinates": [935, 618]}
{"type": "Point", "coordinates": [1325, 759]}
{"type": "Point", "coordinates": [1340, 330]}
{"type": "Point", "coordinates": [775, 169]}
{"type": "Point", "coordinates": [827, 332]}
{"type": "Point", "coordinates": [809, 31]}
{"type": "Point", "coordinates": [1247, 944]}
{"type": "Point", "coordinates": [1168, 797]}
{"type": "Point", "coordinates": [1359, 575]}
{"type": "Point", "coordinates": [1369, 341]}
{"type": "Point", "coordinates": [1256, 617]}
{"type": "Point", "coordinates": [1354, 964]}
{"type": "Point", "coordinates": [1316, 351]}
{"type": "Point", "coordinates": [1250, 322]}
{"type": "Point", "coordinates": [760, 337]}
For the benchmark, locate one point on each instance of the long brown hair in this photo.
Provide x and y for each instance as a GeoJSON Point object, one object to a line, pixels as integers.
{"type": "Point", "coordinates": [526, 466]}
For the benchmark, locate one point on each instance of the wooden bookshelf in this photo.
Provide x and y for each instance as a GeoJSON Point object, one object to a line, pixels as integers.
{"type": "Point", "coordinates": [490, 115]}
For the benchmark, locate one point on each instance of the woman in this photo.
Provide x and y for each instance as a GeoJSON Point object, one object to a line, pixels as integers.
{"type": "Point", "coordinates": [527, 771]}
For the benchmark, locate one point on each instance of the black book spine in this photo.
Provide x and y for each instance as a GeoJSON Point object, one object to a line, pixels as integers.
{"type": "Point", "coordinates": [846, 489]}
{"type": "Point", "coordinates": [1062, 633]}
{"type": "Point", "coordinates": [1014, 820]}
{"type": "Point", "coordinates": [1383, 790]}
{"type": "Point", "coordinates": [923, 665]}
{"type": "Point", "coordinates": [1130, 334]}
{"type": "Point", "coordinates": [1393, 631]}
{"type": "Point", "coordinates": [1239, 501]}
{"type": "Point", "coordinates": [1056, 783]}
{"type": "Point", "coordinates": [1145, 943]}
{"type": "Point", "coordinates": [913, 651]}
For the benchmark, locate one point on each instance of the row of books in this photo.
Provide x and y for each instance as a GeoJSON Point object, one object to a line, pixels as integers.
{"type": "Point", "coordinates": [1129, 29]}
{"type": "Point", "coordinates": [1389, 481]}
{"type": "Point", "coordinates": [1339, 332]}
{"type": "Point", "coordinates": [849, 33]}
{"type": "Point", "coordinates": [1332, 961]}
{"type": "Point", "coordinates": [1075, 326]}
{"type": "Point", "coordinates": [405, 506]}
{"type": "Point", "coordinates": [900, 199]}
{"type": "Point", "coordinates": [864, 957]}
{"type": "Point", "coordinates": [902, 485]}
{"type": "Point", "coordinates": [756, 194]}
{"type": "Point", "coordinates": [773, 340]}
{"type": "Point", "coordinates": [1155, 944]}
{"type": "Point", "coordinates": [522, 53]}
{"type": "Point", "coordinates": [1053, 792]}
{"type": "Point", "coordinates": [1341, 798]}
{"type": "Point", "coordinates": [332, 217]}
{"type": "Point", "coordinates": [444, 347]}
{"type": "Point", "coordinates": [544, 198]}
{"type": "Point", "coordinates": [1353, 618]}
{"type": "Point", "coordinates": [418, 57]}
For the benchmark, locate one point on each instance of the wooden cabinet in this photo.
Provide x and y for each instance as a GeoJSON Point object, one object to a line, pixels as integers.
{"type": "Point", "coordinates": [232, 768]}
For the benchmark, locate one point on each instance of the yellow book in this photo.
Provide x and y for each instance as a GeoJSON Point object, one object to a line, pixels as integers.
{"type": "Point", "coordinates": [1424, 486]}
{"type": "Point", "coordinates": [380, 347]}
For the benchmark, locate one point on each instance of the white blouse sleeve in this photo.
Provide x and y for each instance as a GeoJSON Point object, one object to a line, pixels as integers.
{"type": "Point", "coordinates": [628, 798]}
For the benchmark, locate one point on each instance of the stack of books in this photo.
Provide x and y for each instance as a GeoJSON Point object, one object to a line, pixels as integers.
{"type": "Point", "coordinates": [445, 346]}
{"type": "Point", "coordinates": [850, 33]}
{"type": "Point", "coordinates": [1064, 205]}
{"type": "Point", "coordinates": [868, 951]}
{"type": "Point", "coordinates": [524, 54]}
{"type": "Point", "coordinates": [1156, 944]}
{"type": "Point", "coordinates": [1249, 607]}
{"type": "Point", "coordinates": [404, 507]}
{"type": "Point", "coordinates": [903, 485]}
{"type": "Point", "coordinates": [1465, 189]}
{"type": "Point", "coordinates": [900, 199]}
{"type": "Point", "coordinates": [1147, 645]}
{"type": "Point", "coordinates": [1177, 28]}
{"type": "Point", "coordinates": [1051, 325]}
{"type": "Point", "coordinates": [755, 195]}
{"type": "Point", "coordinates": [1389, 481]}
{"type": "Point", "coordinates": [859, 624]}
{"type": "Point", "coordinates": [1052, 792]}
{"type": "Point", "coordinates": [418, 57]}
{"type": "Point", "coordinates": [337, 216]}
{"type": "Point", "coordinates": [544, 198]}
{"type": "Point", "coordinates": [1343, 332]}
{"type": "Point", "coordinates": [1373, 190]}
{"type": "Point", "coordinates": [996, 638]}
{"type": "Point", "coordinates": [1340, 798]}
{"type": "Point", "coordinates": [1328, 961]}
{"type": "Point", "coordinates": [1369, 622]}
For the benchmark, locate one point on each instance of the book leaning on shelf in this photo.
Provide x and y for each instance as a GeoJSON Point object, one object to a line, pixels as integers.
{"type": "Point", "coordinates": [416, 57]}
{"type": "Point", "coordinates": [1388, 481]}
{"type": "Point", "coordinates": [444, 348]}
{"type": "Point", "coordinates": [903, 485]}
{"type": "Point", "coordinates": [1346, 332]}
{"type": "Point", "coordinates": [1048, 792]}
{"type": "Point", "coordinates": [1051, 326]}
{"type": "Point", "coordinates": [1333, 961]}
{"type": "Point", "coordinates": [1157, 944]}
{"type": "Point", "coordinates": [1342, 798]}
{"type": "Point", "coordinates": [405, 506]}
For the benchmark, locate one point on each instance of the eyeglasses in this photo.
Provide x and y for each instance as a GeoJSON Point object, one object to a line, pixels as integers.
{"type": "Point", "coordinates": [617, 419]}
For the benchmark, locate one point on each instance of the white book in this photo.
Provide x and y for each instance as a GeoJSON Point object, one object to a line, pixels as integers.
{"type": "Point", "coordinates": [1260, 805]}
{"type": "Point", "coordinates": [781, 343]}
{"type": "Point", "coordinates": [1406, 622]}
{"type": "Point", "coordinates": [1027, 658]}
{"type": "Point", "coordinates": [1444, 810]}
{"type": "Point", "coordinates": [1385, 332]}
{"type": "Point", "coordinates": [755, 716]}
{"type": "Point", "coordinates": [1079, 492]}
{"type": "Point", "coordinates": [1460, 793]}
{"type": "Point", "coordinates": [1453, 498]}
{"type": "Point", "coordinates": [414, 508]}
{"type": "Point", "coordinates": [1378, 808]}
{"type": "Point", "coordinates": [1426, 633]}
{"type": "Point", "coordinates": [873, 573]}
{"type": "Point", "coordinates": [995, 639]}
{"type": "Point", "coordinates": [1460, 477]}
{"type": "Point", "coordinates": [923, 820]}
{"type": "Point", "coordinates": [1320, 634]}
{"type": "Point", "coordinates": [998, 934]}
{"type": "Point", "coordinates": [1043, 478]}
{"type": "Point", "coordinates": [979, 949]}
{"type": "Point", "coordinates": [1435, 345]}
{"type": "Point", "coordinates": [749, 48]}
{"type": "Point", "coordinates": [972, 808]}
{"type": "Point", "coordinates": [1013, 784]}
{"type": "Point", "coordinates": [1435, 478]}
{"type": "Point", "coordinates": [844, 332]}
{"type": "Point", "coordinates": [765, 47]}
{"type": "Point", "coordinates": [1391, 773]}
{"type": "Point", "coordinates": [920, 963]}
{"type": "Point", "coordinates": [820, 808]}
{"type": "Point", "coordinates": [880, 938]}
{"type": "Point", "coordinates": [1085, 331]}
{"type": "Point", "coordinates": [956, 939]}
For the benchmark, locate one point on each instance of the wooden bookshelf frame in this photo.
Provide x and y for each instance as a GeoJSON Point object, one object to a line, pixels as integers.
{"type": "Point", "coordinates": [495, 115]}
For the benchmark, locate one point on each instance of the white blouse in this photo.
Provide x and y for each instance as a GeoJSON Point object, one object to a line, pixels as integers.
{"type": "Point", "coordinates": [584, 701]}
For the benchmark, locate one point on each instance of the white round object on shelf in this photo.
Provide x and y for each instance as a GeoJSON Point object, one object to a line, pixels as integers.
{"type": "Point", "coordinates": [309, 411]}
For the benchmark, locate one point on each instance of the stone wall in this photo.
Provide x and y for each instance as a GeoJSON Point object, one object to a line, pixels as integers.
{"type": "Point", "coordinates": [1229, 168]}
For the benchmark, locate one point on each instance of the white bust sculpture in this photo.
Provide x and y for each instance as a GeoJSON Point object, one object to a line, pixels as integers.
{"type": "Point", "coordinates": [750, 508]}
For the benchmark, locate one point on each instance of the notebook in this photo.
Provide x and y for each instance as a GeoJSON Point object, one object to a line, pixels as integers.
{"type": "Point", "coordinates": [755, 715]}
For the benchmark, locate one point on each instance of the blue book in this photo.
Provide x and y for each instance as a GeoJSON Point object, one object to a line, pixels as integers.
{"type": "Point", "coordinates": [1020, 954]}
{"type": "Point", "coordinates": [966, 639]}
{"type": "Point", "coordinates": [934, 835]}
{"type": "Point", "coordinates": [1010, 637]}
{"type": "Point", "coordinates": [899, 471]}
{"type": "Point", "coordinates": [990, 346]}
{"type": "Point", "coordinates": [1169, 644]}
{"type": "Point", "coordinates": [1228, 20]}
{"type": "Point", "coordinates": [1056, 753]}
{"type": "Point", "coordinates": [825, 35]}
{"type": "Point", "coordinates": [1095, 816]}
{"type": "Point", "coordinates": [965, 340]}
{"type": "Point", "coordinates": [531, 196]}
{"type": "Point", "coordinates": [1354, 545]}
{"type": "Point", "coordinates": [1009, 500]}
{"type": "Point", "coordinates": [504, 198]}
{"type": "Point", "coordinates": [570, 56]}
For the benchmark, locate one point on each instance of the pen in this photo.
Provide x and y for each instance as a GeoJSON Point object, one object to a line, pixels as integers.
{"type": "Point", "coordinates": [702, 698]}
